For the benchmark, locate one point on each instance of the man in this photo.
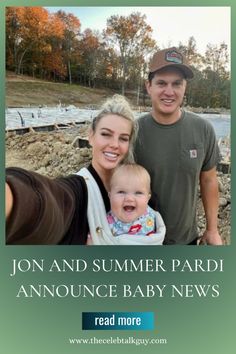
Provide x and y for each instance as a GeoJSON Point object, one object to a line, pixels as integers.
{"type": "Point", "coordinates": [179, 150]}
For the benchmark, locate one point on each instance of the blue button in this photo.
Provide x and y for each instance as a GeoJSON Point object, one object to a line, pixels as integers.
{"type": "Point", "coordinates": [118, 320]}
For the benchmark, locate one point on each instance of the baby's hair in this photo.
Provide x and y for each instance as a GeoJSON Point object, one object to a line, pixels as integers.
{"type": "Point", "coordinates": [134, 169]}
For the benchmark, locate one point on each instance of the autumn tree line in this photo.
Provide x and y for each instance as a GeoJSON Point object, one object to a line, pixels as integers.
{"type": "Point", "coordinates": [52, 46]}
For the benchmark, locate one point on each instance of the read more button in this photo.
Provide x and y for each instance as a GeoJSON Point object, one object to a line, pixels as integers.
{"type": "Point", "coordinates": [117, 321]}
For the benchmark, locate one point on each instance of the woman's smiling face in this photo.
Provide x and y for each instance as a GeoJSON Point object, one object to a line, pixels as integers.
{"type": "Point", "coordinates": [110, 141]}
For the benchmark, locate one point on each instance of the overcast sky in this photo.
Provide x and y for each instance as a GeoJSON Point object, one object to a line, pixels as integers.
{"type": "Point", "coordinates": [171, 25]}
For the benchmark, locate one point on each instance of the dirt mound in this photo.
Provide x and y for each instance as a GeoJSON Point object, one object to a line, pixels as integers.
{"type": "Point", "coordinates": [52, 153]}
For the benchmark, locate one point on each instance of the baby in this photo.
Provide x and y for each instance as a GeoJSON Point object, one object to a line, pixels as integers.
{"type": "Point", "coordinates": [129, 195]}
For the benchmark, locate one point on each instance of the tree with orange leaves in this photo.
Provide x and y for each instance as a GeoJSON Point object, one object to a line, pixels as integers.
{"type": "Point", "coordinates": [28, 30]}
{"type": "Point", "coordinates": [70, 37]}
{"type": "Point", "coordinates": [129, 35]}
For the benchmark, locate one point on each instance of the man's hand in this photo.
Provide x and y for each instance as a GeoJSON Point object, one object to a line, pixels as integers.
{"type": "Point", "coordinates": [211, 238]}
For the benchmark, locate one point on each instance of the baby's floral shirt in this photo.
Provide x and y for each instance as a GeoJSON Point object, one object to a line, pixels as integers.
{"type": "Point", "coordinates": [144, 225]}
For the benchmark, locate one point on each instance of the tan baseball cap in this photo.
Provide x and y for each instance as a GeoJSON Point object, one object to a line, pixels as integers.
{"type": "Point", "coordinates": [170, 57]}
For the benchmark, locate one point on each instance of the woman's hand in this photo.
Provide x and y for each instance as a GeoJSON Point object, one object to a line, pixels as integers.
{"type": "Point", "coordinates": [8, 200]}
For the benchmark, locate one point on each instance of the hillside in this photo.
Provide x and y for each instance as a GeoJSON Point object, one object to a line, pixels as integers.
{"type": "Point", "coordinates": [23, 91]}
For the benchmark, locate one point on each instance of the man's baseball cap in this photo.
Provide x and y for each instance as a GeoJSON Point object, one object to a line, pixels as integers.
{"type": "Point", "coordinates": [170, 57]}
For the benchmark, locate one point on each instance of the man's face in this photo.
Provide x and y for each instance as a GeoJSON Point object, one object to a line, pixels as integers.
{"type": "Point", "coordinates": [167, 90]}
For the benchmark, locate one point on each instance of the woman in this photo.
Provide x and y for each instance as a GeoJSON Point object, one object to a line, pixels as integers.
{"type": "Point", "coordinates": [40, 210]}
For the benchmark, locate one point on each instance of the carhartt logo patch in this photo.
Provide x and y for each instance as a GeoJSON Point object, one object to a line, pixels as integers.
{"type": "Point", "coordinates": [174, 57]}
{"type": "Point", "coordinates": [193, 154]}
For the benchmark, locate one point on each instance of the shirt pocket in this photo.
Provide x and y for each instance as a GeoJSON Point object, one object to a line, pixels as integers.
{"type": "Point", "coordinates": [191, 158]}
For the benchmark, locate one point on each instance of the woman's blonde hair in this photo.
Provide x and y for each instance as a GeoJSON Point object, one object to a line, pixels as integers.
{"type": "Point", "coordinates": [119, 105]}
